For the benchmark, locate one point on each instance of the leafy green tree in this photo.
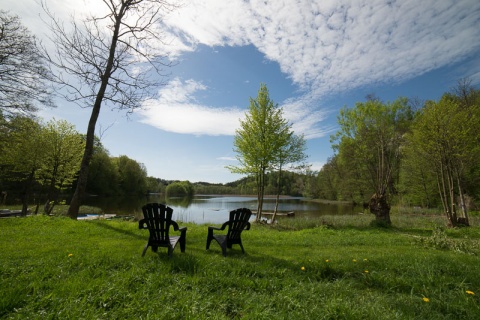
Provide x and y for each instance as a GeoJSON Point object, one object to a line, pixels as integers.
{"type": "Point", "coordinates": [291, 154]}
{"type": "Point", "coordinates": [327, 180]}
{"type": "Point", "coordinates": [180, 189]}
{"type": "Point", "coordinates": [59, 168]}
{"type": "Point", "coordinates": [103, 176]}
{"type": "Point", "coordinates": [370, 137]}
{"type": "Point", "coordinates": [24, 74]}
{"type": "Point", "coordinates": [446, 138]}
{"type": "Point", "coordinates": [23, 153]}
{"type": "Point", "coordinates": [132, 176]}
{"type": "Point", "coordinates": [262, 136]}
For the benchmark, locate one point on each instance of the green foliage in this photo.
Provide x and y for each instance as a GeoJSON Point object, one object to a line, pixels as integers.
{"type": "Point", "coordinates": [265, 142]}
{"type": "Point", "coordinates": [64, 146]}
{"type": "Point", "coordinates": [132, 175]}
{"type": "Point", "coordinates": [356, 273]}
{"type": "Point", "coordinates": [444, 146]}
{"type": "Point", "coordinates": [103, 176]}
{"type": "Point", "coordinates": [180, 189]}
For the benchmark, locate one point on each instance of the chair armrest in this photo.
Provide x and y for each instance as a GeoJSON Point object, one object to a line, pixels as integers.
{"type": "Point", "coordinates": [247, 227]}
{"type": "Point", "coordinates": [182, 229]}
{"type": "Point", "coordinates": [141, 224]}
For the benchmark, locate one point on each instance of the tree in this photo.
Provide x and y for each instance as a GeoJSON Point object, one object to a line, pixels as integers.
{"type": "Point", "coordinates": [292, 153]}
{"type": "Point", "coordinates": [262, 136]}
{"type": "Point", "coordinates": [103, 176]}
{"type": "Point", "coordinates": [132, 176]}
{"type": "Point", "coordinates": [180, 189]}
{"type": "Point", "coordinates": [23, 72]}
{"type": "Point", "coordinates": [372, 134]}
{"type": "Point", "coordinates": [110, 59]}
{"type": "Point", "coordinates": [64, 146]}
{"type": "Point", "coordinates": [22, 154]}
{"type": "Point", "coordinates": [446, 137]}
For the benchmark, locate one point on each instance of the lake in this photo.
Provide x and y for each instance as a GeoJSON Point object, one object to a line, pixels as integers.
{"type": "Point", "coordinates": [214, 209]}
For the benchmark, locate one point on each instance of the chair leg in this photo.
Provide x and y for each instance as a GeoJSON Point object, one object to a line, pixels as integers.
{"type": "Point", "coordinates": [182, 242]}
{"type": "Point", "coordinates": [144, 250]}
{"type": "Point", "coordinates": [241, 246]}
{"type": "Point", "coordinates": [224, 249]}
{"type": "Point", "coordinates": [209, 238]}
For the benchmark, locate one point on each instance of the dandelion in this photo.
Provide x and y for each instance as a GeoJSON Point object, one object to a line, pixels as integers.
{"type": "Point", "coordinates": [366, 271]}
{"type": "Point", "coordinates": [354, 260]}
{"type": "Point", "coordinates": [302, 268]}
{"type": "Point", "coordinates": [365, 259]}
{"type": "Point", "coordinates": [70, 254]}
{"type": "Point", "coordinates": [470, 292]}
{"type": "Point", "coordinates": [425, 299]}
{"type": "Point", "coordinates": [327, 260]}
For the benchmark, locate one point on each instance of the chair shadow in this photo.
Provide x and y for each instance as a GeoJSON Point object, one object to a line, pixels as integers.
{"type": "Point", "coordinates": [125, 232]}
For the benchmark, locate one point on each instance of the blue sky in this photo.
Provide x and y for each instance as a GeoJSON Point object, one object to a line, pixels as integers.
{"type": "Point", "coordinates": [314, 56]}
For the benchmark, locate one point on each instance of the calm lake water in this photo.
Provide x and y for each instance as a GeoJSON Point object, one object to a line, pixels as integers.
{"type": "Point", "coordinates": [214, 209]}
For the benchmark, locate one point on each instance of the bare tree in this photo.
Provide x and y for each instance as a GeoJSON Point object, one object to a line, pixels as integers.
{"type": "Point", "coordinates": [23, 72]}
{"type": "Point", "coordinates": [108, 59]}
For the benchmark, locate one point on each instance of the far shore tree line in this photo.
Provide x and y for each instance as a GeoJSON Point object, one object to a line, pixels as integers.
{"type": "Point", "coordinates": [402, 152]}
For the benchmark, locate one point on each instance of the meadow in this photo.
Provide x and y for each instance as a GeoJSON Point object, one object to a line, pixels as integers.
{"type": "Point", "coordinates": [329, 268]}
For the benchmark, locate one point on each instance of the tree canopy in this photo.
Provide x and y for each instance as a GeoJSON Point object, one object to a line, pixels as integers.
{"type": "Point", "coordinates": [264, 142]}
{"type": "Point", "coordinates": [24, 73]}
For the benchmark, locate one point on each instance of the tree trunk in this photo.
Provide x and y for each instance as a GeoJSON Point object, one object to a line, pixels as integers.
{"type": "Point", "coordinates": [87, 155]}
{"type": "Point", "coordinates": [380, 208]}
{"type": "Point", "coordinates": [274, 216]}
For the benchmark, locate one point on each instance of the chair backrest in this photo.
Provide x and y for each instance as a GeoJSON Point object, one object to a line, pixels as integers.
{"type": "Point", "coordinates": [158, 218]}
{"type": "Point", "coordinates": [237, 223]}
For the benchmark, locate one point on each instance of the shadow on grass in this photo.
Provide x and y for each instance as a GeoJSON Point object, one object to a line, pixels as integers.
{"type": "Point", "coordinates": [118, 230]}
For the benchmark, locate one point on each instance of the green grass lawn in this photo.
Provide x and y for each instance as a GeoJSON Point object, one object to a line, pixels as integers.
{"type": "Point", "coordinates": [336, 268]}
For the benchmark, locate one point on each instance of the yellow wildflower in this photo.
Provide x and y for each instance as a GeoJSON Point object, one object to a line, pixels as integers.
{"type": "Point", "coordinates": [425, 299]}
{"type": "Point", "coordinates": [70, 254]}
{"type": "Point", "coordinates": [302, 268]}
{"type": "Point", "coordinates": [470, 292]}
{"type": "Point", "coordinates": [327, 260]}
{"type": "Point", "coordinates": [354, 260]}
{"type": "Point", "coordinates": [366, 271]}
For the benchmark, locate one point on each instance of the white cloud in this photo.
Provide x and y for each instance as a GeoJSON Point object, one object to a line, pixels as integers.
{"type": "Point", "coordinates": [176, 110]}
{"type": "Point", "coordinates": [331, 46]}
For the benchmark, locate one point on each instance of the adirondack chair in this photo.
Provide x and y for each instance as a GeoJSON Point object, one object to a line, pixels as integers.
{"type": "Point", "coordinates": [158, 220]}
{"type": "Point", "coordinates": [236, 224]}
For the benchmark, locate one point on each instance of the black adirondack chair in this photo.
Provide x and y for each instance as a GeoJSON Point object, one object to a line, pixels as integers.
{"type": "Point", "coordinates": [158, 220]}
{"type": "Point", "coordinates": [236, 224]}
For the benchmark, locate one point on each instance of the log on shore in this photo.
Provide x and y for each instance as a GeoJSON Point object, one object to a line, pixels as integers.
{"type": "Point", "coordinates": [279, 214]}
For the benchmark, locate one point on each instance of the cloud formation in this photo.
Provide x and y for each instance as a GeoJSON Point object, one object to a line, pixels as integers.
{"type": "Point", "coordinates": [330, 46]}
{"type": "Point", "coordinates": [176, 110]}
{"type": "Point", "coordinates": [325, 47]}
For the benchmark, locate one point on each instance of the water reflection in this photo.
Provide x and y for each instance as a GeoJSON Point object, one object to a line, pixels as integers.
{"type": "Point", "coordinates": [214, 209]}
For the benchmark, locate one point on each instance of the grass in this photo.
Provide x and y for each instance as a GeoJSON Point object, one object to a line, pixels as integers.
{"type": "Point", "coordinates": [334, 268]}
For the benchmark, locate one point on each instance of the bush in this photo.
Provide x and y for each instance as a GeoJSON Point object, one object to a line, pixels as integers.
{"type": "Point", "coordinates": [179, 189]}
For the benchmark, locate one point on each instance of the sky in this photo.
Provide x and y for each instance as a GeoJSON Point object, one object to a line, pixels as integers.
{"type": "Point", "coordinates": [315, 57]}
